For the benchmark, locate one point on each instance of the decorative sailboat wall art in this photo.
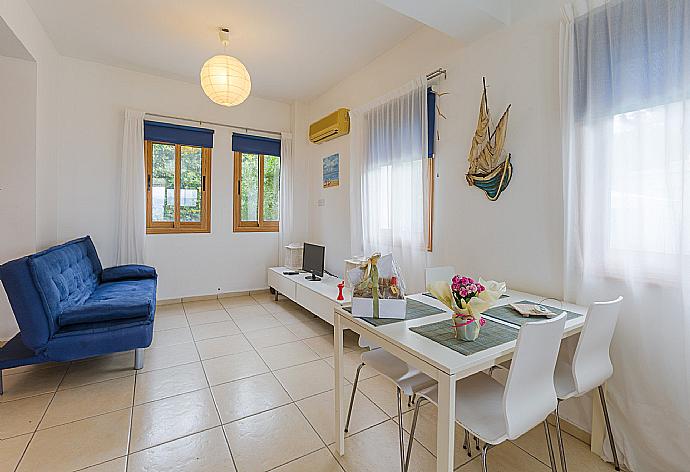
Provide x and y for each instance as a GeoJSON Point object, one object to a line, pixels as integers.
{"type": "Point", "coordinates": [490, 168]}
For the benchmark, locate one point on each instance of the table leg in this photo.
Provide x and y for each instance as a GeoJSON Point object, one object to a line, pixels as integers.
{"type": "Point", "coordinates": [445, 433]}
{"type": "Point", "coordinates": [339, 383]}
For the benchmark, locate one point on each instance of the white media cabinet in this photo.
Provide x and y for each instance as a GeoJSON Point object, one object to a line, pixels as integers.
{"type": "Point", "coordinates": [320, 297]}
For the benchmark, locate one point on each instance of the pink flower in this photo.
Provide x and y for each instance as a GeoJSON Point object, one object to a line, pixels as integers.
{"type": "Point", "coordinates": [456, 280]}
{"type": "Point", "coordinates": [463, 292]}
{"type": "Point", "coordinates": [481, 288]}
{"type": "Point", "coordinates": [470, 280]}
{"type": "Point", "coordinates": [464, 280]}
{"type": "Point", "coordinates": [473, 288]}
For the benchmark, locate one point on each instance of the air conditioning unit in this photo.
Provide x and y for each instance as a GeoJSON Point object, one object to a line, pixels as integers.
{"type": "Point", "coordinates": [330, 127]}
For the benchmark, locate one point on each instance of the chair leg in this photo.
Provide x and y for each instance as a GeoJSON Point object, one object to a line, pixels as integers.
{"type": "Point", "coordinates": [608, 427]}
{"type": "Point", "coordinates": [559, 434]}
{"type": "Point", "coordinates": [476, 443]}
{"type": "Point", "coordinates": [138, 359]}
{"type": "Point", "coordinates": [485, 449]}
{"type": "Point", "coordinates": [412, 430]}
{"type": "Point", "coordinates": [352, 397]}
{"type": "Point", "coordinates": [468, 443]}
{"type": "Point", "coordinates": [400, 432]}
{"type": "Point", "coordinates": [552, 459]}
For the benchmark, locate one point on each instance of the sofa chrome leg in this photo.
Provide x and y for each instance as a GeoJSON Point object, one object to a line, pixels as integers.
{"type": "Point", "coordinates": [138, 359]}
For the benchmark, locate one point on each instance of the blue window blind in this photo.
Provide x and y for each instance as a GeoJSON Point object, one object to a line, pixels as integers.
{"type": "Point", "coordinates": [178, 134]}
{"type": "Point", "coordinates": [255, 144]}
{"type": "Point", "coordinates": [431, 118]}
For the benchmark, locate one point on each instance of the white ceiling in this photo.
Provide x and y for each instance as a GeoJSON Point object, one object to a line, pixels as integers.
{"type": "Point", "coordinates": [293, 49]}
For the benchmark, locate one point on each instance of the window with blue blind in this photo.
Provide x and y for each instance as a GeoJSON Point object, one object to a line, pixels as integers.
{"type": "Point", "coordinates": [257, 183]}
{"type": "Point", "coordinates": [431, 120]}
{"type": "Point", "coordinates": [178, 178]}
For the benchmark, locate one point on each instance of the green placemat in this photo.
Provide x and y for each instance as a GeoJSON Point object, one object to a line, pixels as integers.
{"type": "Point", "coordinates": [508, 314]}
{"type": "Point", "coordinates": [492, 334]}
{"type": "Point", "coordinates": [414, 310]}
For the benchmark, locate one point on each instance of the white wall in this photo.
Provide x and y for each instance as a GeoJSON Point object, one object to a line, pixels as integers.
{"type": "Point", "coordinates": [17, 169]}
{"type": "Point", "coordinates": [518, 238]}
{"type": "Point", "coordinates": [92, 102]}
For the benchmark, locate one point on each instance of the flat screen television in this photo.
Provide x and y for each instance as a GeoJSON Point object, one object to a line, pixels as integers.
{"type": "Point", "coordinates": [312, 260]}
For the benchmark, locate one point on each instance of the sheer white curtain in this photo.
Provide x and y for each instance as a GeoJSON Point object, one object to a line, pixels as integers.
{"type": "Point", "coordinates": [286, 194]}
{"type": "Point", "coordinates": [625, 79]}
{"type": "Point", "coordinates": [132, 217]}
{"type": "Point", "coordinates": [388, 189]}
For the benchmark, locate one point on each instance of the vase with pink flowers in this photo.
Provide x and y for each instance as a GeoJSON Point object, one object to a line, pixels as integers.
{"type": "Point", "coordinates": [467, 299]}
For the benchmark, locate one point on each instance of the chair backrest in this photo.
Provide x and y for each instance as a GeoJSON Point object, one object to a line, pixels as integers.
{"type": "Point", "coordinates": [530, 394]}
{"type": "Point", "coordinates": [438, 274]}
{"type": "Point", "coordinates": [591, 363]}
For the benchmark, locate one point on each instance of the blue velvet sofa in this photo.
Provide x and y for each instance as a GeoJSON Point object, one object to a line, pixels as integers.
{"type": "Point", "coordinates": [68, 307]}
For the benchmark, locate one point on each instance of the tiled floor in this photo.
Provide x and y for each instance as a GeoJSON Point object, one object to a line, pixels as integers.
{"type": "Point", "coordinates": [239, 384]}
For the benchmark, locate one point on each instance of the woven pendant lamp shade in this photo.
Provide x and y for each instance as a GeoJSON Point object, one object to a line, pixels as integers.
{"type": "Point", "coordinates": [225, 80]}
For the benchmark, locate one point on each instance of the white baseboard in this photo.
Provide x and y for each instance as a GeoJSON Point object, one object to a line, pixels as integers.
{"type": "Point", "coordinates": [196, 298]}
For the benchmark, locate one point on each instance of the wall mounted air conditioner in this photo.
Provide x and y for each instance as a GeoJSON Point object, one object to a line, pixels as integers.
{"type": "Point", "coordinates": [330, 127]}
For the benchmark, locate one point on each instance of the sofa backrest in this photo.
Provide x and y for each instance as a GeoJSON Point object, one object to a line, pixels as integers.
{"type": "Point", "coordinates": [40, 286]}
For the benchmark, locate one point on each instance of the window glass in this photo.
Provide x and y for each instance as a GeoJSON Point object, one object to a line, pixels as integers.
{"type": "Point", "coordinates": [271, 203]}
{"type": "Point", "coordinates": [190, 184]}
{"type": "Point", "coordinates": [163, 183]}
{"type": "Point", "coordinates": [249, 188]}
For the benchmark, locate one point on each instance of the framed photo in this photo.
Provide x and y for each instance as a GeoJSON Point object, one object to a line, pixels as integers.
{"type": "Point", "coordinates": [331, 171]}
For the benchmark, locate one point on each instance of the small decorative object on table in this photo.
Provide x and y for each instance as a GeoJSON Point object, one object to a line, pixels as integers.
{"type": "Point", "coordinates": [379, 290]}
{"type": "Point", "coordinates": [468, 300]}
{"type": "Point", "coordinates": [341, 285]}
{"type": "Point", "coordinates": [530, 309]}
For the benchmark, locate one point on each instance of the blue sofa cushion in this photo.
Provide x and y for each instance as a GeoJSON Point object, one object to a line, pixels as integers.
{"type": "Point", "coordinates": [104, 311]}
{"type": "Point", "coordinates": [66, 275]}
{"type": "Point", "coordinates": [127, 272]}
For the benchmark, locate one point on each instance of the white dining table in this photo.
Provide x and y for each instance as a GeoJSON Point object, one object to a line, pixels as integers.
{"type": "Point", "coordinates": [443, 364]}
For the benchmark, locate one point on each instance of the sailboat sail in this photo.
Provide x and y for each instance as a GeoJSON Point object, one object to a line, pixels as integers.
{"type": "Point", "coordinates": [489, 168]}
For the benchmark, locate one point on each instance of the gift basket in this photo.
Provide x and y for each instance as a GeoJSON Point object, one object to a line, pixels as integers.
{"type": "Point", "coordinates": [378, 288]}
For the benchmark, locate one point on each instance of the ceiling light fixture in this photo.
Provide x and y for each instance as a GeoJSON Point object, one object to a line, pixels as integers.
{"type": "Point", "coordinates": [224, 79]}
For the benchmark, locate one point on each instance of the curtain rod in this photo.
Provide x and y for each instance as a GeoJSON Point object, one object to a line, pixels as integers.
{"type": "Point", "coordinates": [201, 122]}
{"type": "Point", "coordinates": [437, 73]}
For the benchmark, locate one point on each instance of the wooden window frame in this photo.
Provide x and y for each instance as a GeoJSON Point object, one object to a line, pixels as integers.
{"type": "Point", "coordinates": [259, 226]}
{"type": "Point", "coordinates": [177, 226]}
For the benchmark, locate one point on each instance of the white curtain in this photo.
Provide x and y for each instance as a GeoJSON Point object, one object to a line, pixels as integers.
{"type": "Point", "coordinates": [388, 193]}
{"type": "Point", "coordinates": [286, 194]}
{"type": "Point", "coordinates": [132, 218]}
{"type": "Point", "coordinates": [625, 79]}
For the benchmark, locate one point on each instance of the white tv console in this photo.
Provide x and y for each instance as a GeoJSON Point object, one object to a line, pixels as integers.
{"type": "Point", "coordinates": [320, 297]}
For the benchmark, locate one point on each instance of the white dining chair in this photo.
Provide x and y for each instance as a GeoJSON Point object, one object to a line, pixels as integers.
{"type": "Point", "coordinates": [407, 380]}
{"type": "Point", "coordinates": [591, 366]}
{"type": "Point", "coordinates": [494, 413]}
{"type": "Point", "coordinates": [438, 274]}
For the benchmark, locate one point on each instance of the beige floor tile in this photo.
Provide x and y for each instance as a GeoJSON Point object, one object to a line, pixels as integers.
{"type": "Point", "coordinates": [426, 433]}
{"type": "Point", "coordinates": [308, 379]}
{"type": "Point", "coordinates": [202, 305]}
{"type": "Point", "coordinates": [22, 416]}
{"type": "Point", "coordinates": [206, 451]}
{"type": "Point", "coordinates": [283, 304]}
{"type": "Point", "coordinates": [507, 457]}
{"type": "Point", "coordinates": [170, 337]}
{"type": "Point", "coordinates": [310, 329]}
{"type": "Point", "coordinates": [245, 397]}
{"type": "Point", "coordinates": [351, 361]}
{"type": "Point", "coordinates": [377, 449]}
{"type": "Point", "coordinates": [319, 461]}
{"type": "Point", "coordinates": [164, 383]}
{"type": "Point", "coordinates": [323, 345]}
{"type": "Point", "coordinates": [251, 310]}
{"type": "Point", "coordinates": [291, 316]}
{"type": "Point", "coordinates": [244, 300]}
{"type": "Point", "coordinates": [234, 367]}
{"type": "Point", "coordinates": [270, 439]}
{"type": "Point", "coordinates": [254, 322]}
{"type": "Point", "coordinates": [173, 321]}
{"type": "Point", "coordinates": [90, 400]}
{"type": "Point", "coordinates": [11, 451]}
{"type": "Point", "coordinates": [203, 317]}
{"type": "Point", "coordinates": [261, 297]}
{"type": "Point", "coordinates": [214, 330]}
{"type": "Point", "coordinates": [99, 369]}
{"type": "Point", "coordinates": [216, 347]}
{"type": "Point", "coordinates": [319, 411]}
{"type": "Point", "coordinates": [270, 337]}
{"type": "Point", "coordinates": [172, 309]}
{"type": "Point", "coordinates": [286, 355]}
{"type": "Point", "coordinates": [169, 356]}
{"type": "Point", "coordinates": [383, 393]}
{"type": "Point", "coordinates": [77, 445]}
{"type": "Point", "coordinates": [31, 368]}
{"type": "Point", "coordinates": [115, 465]}
{"type": "Point", "coordinates": [32, 383]}
{"type": "Point", "coordinates": [171, 418]}
{"type": "Point", "coordinates": [577, 453]}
